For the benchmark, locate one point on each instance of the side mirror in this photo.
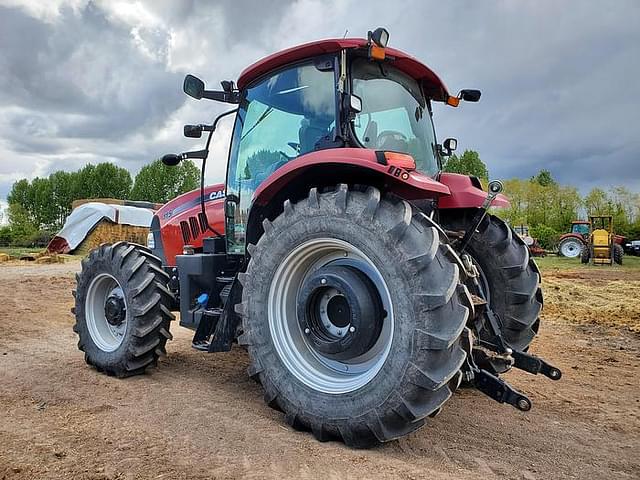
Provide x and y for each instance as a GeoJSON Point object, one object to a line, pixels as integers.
{"type": "Point", "coordinates": [450, 145]}
{"type": "Point", "coordinates": [171, 159]}
{"type": "Point", "coordinates": [192, 131]}
{"type": "Point", "coordinates": [470, 95]}
{"type": "Point", "coordinates": [193, 86]}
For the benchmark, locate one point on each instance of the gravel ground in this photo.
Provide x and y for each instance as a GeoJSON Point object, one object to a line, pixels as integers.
{"type": "Point", "coordinates": [199, 416]}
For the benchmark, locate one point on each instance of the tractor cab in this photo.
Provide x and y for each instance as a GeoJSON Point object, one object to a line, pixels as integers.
{"type": "Point", "coordinates": [580, 227]}
{"type": "Point", "coordinates": [328, 95]}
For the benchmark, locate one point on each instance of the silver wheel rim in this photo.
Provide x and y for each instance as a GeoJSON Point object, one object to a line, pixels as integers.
{"type": "Point", "coordinates": [306, 364]}
{"type": "Point", "coordinates": [570, 248]}
{"type": "Point", "coordinates": [106, 336]}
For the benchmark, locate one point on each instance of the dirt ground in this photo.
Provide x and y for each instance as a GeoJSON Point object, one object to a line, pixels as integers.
{"type": "Point", "coordinates": [199, 416]}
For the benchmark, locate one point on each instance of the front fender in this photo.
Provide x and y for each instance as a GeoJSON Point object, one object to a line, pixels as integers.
{"type": "Point", "coordinates": [348, 165]}
{"type": "Point", "coordinates": [466, 193]}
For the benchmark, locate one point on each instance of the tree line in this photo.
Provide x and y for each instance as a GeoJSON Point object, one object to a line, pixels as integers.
{"type": "Point", "coordinates": [548, 208]}
{"type": "Point", "coordinates": [38, 208]}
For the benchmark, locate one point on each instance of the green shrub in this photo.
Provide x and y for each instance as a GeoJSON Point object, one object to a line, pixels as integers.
{"type": "Point", "coordinates": [547, 237]}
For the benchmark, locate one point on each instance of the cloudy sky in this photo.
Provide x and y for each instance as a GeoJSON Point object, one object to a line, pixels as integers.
{"type": "Point", "coordinates": [90, 81]}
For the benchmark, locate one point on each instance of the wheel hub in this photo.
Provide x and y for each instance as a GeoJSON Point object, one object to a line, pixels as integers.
{"type": "Point", "coordinates": [115, 310]}
{"type": "Point", "coordinates": [106, 312]}
{"type": "Point", "coordinates": [340, 312]}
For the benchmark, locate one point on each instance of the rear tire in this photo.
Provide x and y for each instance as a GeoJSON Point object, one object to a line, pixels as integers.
{"type": "Point", "coordinates": [428, 310]}
{"type": "Point", "coordinates": [618, 253]}
{"type": "Point", "coordinates": [512, 278]}
{"type": "Point", "coordinates": [130, 337]}
{"type": "Point", "coordinates": [571, 247]}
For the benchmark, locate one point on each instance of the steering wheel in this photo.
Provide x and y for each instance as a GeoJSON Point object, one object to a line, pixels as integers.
{"type": "Point", "coordinates": [395, 135]}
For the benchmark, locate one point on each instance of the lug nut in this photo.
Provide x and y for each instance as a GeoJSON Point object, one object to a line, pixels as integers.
{"type": "Point", "coordinates": [307, 331]}
{"type": "Point", "coordinates": [323, 281]}
{"type": "Point", "coordinates": [352, 329]}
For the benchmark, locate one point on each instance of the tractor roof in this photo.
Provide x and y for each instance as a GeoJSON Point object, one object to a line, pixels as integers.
{"type": "Point", "coordinates": [434, 87]}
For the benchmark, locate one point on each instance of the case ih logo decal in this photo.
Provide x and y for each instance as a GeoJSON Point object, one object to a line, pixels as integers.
{"type": "Point", "coordinates": [215, 195]}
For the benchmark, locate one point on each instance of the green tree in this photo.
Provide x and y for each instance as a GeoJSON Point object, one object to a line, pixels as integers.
{"type": "Point", "coordinates": [158, 183]}
{"type": "Point", "coordinates": [468, 163]}
{"type": "Point", "coordinates": [544, 179]}
{"type": "Point", "coordinates": [22, 228]}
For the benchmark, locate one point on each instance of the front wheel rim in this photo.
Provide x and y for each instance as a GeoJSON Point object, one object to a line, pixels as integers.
{"type": "Point", "coordinates": [107, 335]}
{"type": "Point", "coordinates": [299, 357]}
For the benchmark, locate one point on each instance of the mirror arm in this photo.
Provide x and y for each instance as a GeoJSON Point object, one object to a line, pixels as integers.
{"type": "Point", "coordinates": [201, 154]}
{"type": "Point", "coordinates": [222, 96]}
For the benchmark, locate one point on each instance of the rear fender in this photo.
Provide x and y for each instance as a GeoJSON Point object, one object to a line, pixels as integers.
{"type": "Point", "coordinates": [355, 163]}
{"type": "Point", "coordinates": [466, 192]}
{"type": "Point", "coordinates": [327, 168]}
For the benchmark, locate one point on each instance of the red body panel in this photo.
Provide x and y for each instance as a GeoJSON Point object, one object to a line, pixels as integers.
{"type": "Point", "coordinates": [619, 239]}
{"type": "Point", "coordinates": [572, 235]}
{"type": "Point", "coordinates": [183, 209]}
{"type": "Point", "coordinates": [464, 194]}
{"type": "Point", "coordinates": [414, 186]}
{"type": "Point", "coordinates": [434, 87]}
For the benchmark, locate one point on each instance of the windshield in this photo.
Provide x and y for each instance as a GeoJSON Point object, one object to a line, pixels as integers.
{"type": "Point", "coordinates": [581, 228]}
{"type": "Point", "coordinates": [394, 113]}
{"type": "Point", "coordinates": [287, 114]}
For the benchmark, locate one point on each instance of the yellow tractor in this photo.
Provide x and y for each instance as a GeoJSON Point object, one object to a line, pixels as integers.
{"type": "Point", "coordinates": [601, 248]}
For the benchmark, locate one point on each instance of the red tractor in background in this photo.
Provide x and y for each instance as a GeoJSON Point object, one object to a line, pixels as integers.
{"type": "Point", "coordinates": [573, 243]}
{"type": "Point", "coordinates": [365, 283]}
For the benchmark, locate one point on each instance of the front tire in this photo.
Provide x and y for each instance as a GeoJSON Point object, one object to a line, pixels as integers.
{"type": "Point", "coordinates": [122, 309]}
{"type": "Point", "coordinates": [408, 365]}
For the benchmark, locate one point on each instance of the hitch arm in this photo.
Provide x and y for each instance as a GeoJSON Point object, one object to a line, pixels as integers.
{"type": "Point", "coordinates": [535, 365]}
{"type": "Point", "coordinates": [500, 391]}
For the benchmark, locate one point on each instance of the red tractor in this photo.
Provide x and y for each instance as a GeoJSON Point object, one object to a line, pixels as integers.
{"type": "Point", "coordinates": [365, 283]}
{"type": "Point", "coordinates": [573, 243]}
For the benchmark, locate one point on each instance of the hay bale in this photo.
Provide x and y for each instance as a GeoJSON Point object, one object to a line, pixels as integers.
{"type": "Point", "coordinates": [108, 232]}
{"type": "Point", "coordinates": [4, 257]}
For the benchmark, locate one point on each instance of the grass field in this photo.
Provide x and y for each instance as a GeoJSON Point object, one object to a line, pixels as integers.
{"type": "Point", "coordinates": [18, 251]}
{"type": "Point", "coordinates": [553, 262]}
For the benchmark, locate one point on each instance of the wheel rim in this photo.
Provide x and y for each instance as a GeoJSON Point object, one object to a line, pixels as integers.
{"type": "Point", "coordinates": [292, 344]}
{"type": "Point", "coordinates": [106, 312]}
{"type": "Point", "coordinates": [571, 248]}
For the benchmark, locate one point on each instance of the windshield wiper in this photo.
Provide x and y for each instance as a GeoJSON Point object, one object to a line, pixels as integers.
{"type": "Point", "coordinates": [264, 115]}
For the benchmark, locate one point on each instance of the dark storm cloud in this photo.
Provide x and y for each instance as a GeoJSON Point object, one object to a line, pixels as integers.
{"type": "Point", "coordinates": [93, 81]}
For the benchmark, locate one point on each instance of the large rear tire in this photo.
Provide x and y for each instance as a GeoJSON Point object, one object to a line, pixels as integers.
{"type": "Point", "coordinates": [409, 362]}
{"type": "Point", "coordinates": [571, 247]}
{"type": "Point", "coordinates": [122, 309]}
{"type": "Point", "coordinates": [510, 280]}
